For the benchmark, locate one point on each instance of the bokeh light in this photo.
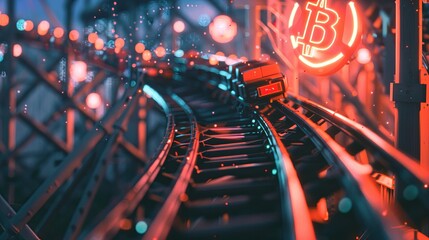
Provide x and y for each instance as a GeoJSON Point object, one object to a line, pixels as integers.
{"type": "Point", "coordinates": [140, 47]}
{"type": "Point", "coordinates": [29, 25]}
{"type": "Point", "coordinates": [160, 51]}
{"type": "Point", "coordinates": [43, 28]}
{"type": "Point", "coordinates": [231, 59]}
{"type": "Point", "coordinates": [4, 20]}
{"type": "Point", "coordinates": [244, 59]}
{"type": "Point", "coordinates": [58, 32]}
{"type": "Point", "coordinates": [363, 56]}
{"type": "Point", "coordinates": [119, 43]}
{"type": "Point", "coordinates": [179, 26]}
{"type": "Point", "coordinates": [179, 53]}
{"type": "Point", "coordinates": [223, 29]}
{"type": "Point", "coordinates": [220, 54]}
{"type": "Point", "coordinates": [20, 25]}
{"type": "Point", "coordinates": [99, 44]}
{"type": "Point", "coordinates": [17, 50]}
{"type": "Point", "coordinates": [78, 71]}
{"type": "Point", "coordinates": [74, 35]}
{"type": "Point", "coordinates": [125, 224]}
{"type": "Point", "coordinates": [204, 20]}
{"type": "Point", "coordinates": [93, 100]}
{"type": "Point", "coordinates": [141, 227]}
{"type": "Point", "coordinates": [213, 60]}
{"type": "Point", "coordinates": [92, 37]}
{"type": "Point", "coordinates": [147, 55]}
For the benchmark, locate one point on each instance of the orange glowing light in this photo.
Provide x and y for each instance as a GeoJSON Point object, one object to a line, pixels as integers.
{"type": "Point", "coordinates": [43, 28]}
{"type": "Point", "coordinates": [324, 34]}
{"type": "Point", "coordinates": [233, 56]}
{"type": "Point", "coordinates": [184, 197]}
{"type": "Point", "coordinates": [213, 60]}
{"type": "Point", "coordinates": [192, 54]}
{"type": "Point", "coordinates": [119, 43]}
{"type": "Point", "coordinates": [220, 54]}
{"type": "Point", "coordinates": [74, 35]}
{"type": "Point", "coordinates": [17, 50]}
{"type": "Point", "coordinates": [93, 100]}
{"type": "Point", "coordinates": [140, 47]}
{"type": "Point", "coordinates": [125, 224]}
{"type": "Point", "coordinates": [231, 59]}
{"type": "Point", "coordinates": [270, 89]}
{"type": "Point", "coordinates": [355, 22]}
{"type": "Point", "coordinates": [4, 20]}
{"type": "Point", "coordinates": [223, 29]}
{"type": "Point", "coordinates": [78, 71]}
{"type": "Point", "coordinates": [323, 40]}
{"type": "Point", "coordinates": [99, 44]}
{"type": "Point", "coordinates": [160, 51]}
{"type": "Point", "coordinates": [92, 37]}
{"type": "Point", "coordinates": [322, 64]}
{"type": "Point", "coordinates": [29, 25]}
{"type": "Point", "coordinates": [147, 55]}
{"type": "Point", "coordinates": [292, 15]}
{"type": "Point", "coordinates": [363, 56]}
{"type": "Point", "coordinates": [244, 59]}
{"type": "Point", "coordinates": [58, 32]}
{"type": "Point", "coordinates": [179, 26]}
{"type": "Point", "coordinates": [152, 72]}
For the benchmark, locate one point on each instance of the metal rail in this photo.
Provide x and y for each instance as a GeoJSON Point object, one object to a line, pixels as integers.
{"type": "Point", "coordinates": [109, 225]}
{"type": "Point", "coordinates": [163, 181]}
{"type": "Point", "coordinates": [406, 171]}
{"type": "Point", "coordinates": [164, 219]}
{"type": "Point", "coordinates": [321, 126]}
{"type": "Point", "coordinates": [7, 211]}
{"type": "Point", "coordinates": [355, 178]}
{"type": "Point", "coordinates": [391, 157]}
{"type": "Point", "coordinates": [296, 214]}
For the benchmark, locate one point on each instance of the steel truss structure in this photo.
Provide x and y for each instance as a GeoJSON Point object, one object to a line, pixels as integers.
{"type": "Point", "coordinates": [52, 148]}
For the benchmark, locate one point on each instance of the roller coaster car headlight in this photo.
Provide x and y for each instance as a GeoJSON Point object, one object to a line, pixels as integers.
{"type": "Point", "coordinates": [270, 89]}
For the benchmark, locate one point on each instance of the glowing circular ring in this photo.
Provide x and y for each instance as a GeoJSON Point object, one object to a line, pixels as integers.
{"type": "Point", "coordinates": [323, 35]}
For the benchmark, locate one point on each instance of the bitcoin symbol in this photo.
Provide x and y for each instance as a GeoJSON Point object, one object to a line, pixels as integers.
{"type": "Point", "coordinates": [324, 38]}
{"type": "Point", "coordinates": [319, 32]}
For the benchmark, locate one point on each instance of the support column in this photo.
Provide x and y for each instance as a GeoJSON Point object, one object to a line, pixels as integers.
{"type": "Point", "coordinates": [142, 126]}
{"type": "Point", "coordinates": [69, 84]}
{"type": "Point", "coordinates": [253, 32]}
{"type": "Point", "coordinates": [407, 92]}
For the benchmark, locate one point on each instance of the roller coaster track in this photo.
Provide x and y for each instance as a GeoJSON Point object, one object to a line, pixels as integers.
{"type": "Point", "coordinates": [224, 170]}
{"type": "Point", "coordinates": [218, 179]}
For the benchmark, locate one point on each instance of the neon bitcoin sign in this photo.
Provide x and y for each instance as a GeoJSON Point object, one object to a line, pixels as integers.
{"type": "Point", "coordinates": [324, 34]}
